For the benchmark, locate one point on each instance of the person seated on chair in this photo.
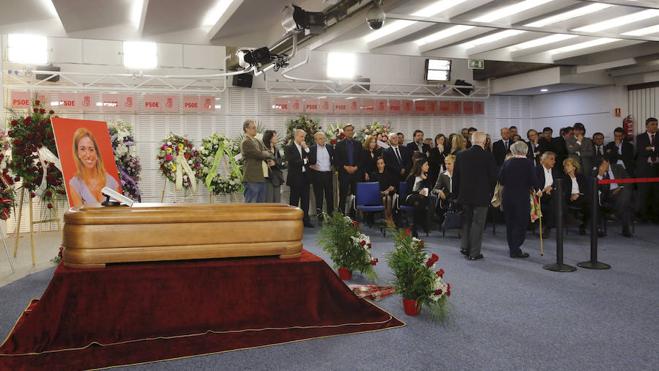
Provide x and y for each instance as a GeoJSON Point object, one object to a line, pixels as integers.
{"type": "Point", "coordinates": [546, 173]}
{"type": "Point", "coordinates": [418, 192]}
{"type": "Point", "coordinates": [576, 190]}
{"type": "Point", "coordinates": [444, 187]}
{"type": "Point", "coordinates": [388, 184]}
{"type": "Point", "coordinates": [616, 197]}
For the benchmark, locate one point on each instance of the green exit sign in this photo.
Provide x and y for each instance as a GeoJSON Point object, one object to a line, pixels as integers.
{"type": "Point", "coordinates": [476, 64]}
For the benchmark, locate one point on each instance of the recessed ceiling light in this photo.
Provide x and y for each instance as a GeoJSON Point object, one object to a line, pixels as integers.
{"type": "Point", "coordinates": [491, 38]}
{"type": "Point", "coordinates": [428, 11]}
{"type": "Point", "coordinates": [509, 10]}
{"type": "Point", "coordinates": [583, 45]}
{"type": "Point", "coordinates": [140, 55]}
{"type": "Point", "coordinates": [584, 10]}
{"type": "Point", "coordinates": [544, 90]}
{"type": "Point", "coordinates": [341, 65]}
{"type": "Point", "coordinates": [215, 13]}
{"type": "Point", "coordinates": [620, 21]}
{"type": "Point", "coordinates": [447, 32]}
{"type": "Point", "coordinates": [27, 49]}
{"type": "Point", "coordinates": [643, 31]}
{"type": "Point", "coordinates": [541, 41]}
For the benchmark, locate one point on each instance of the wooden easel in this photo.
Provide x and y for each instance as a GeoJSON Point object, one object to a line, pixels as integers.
{"type": "Point", "coordinates": [32, 223]}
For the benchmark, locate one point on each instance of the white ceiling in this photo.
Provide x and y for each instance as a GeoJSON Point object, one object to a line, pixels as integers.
{"type": "Point", "coordinates": [479, 22]}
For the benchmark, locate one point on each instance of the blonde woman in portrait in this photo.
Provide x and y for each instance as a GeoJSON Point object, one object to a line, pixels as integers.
{"type": "Point", "coordinates": [85, 187]}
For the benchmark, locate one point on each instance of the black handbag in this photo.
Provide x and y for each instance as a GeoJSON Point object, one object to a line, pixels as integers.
{"type": "Point", "coordinates": [452, 217]}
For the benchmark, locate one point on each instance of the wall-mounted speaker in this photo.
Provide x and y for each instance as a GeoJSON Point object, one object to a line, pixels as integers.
{"type": "Point", "coordinates": [244, 80]}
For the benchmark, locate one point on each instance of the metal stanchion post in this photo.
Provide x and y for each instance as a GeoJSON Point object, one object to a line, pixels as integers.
{"type": "Point", "coordinates": [593, 263]}
{"type": "Point", "coordinates": [559, 202]}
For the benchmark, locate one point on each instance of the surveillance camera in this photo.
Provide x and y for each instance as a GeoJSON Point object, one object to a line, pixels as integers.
{"type": "Point", "coordinates": [375, 17]}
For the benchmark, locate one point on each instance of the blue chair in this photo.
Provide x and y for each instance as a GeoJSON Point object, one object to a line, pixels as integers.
{"type": "Point", "coordinates": [368, 199]}
{"type": "Point", "coordinates": [402, 195]}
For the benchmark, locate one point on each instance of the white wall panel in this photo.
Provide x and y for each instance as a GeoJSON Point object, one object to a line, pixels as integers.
{"type": "Point", "coordinates": [643, 103]}
{"type": "Point", "coordinates": [102, 52]}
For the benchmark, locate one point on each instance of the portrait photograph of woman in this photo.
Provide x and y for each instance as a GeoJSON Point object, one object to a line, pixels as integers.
{"type": "Point", "coordinates": [87, 160]}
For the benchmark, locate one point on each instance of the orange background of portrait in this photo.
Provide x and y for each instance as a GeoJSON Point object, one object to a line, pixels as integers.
{"type": "Point", "coordinates": [64, 128]}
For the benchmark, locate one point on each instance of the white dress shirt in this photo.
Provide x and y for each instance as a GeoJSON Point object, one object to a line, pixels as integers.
{"type": "Point", "coordinates": [612, 186]}
{"type": "Point", "coordinates": [304, 160]}
{"type": "Point", "coordinates": [620, 162]}
{"type": "Point", "coordinates": [322, 158]}
{"type": "Point", "coordinates": [575, 186]}
{"type": "Point", "coordinates": [549, 179]}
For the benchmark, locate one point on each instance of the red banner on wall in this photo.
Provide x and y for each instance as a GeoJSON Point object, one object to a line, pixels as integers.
{"type": "Point", "coordinates": [341, 106]}
{"type": "Point", "coordinates": [394, 106]}
{"type": "Point", "coordinates": [444, 107]}
{"type": "Point", "coordinates": [407, 106]}
{"type": "Point", "coordinates": [20, 99]}
{"type": "Point", "coordinates": [479, 108]}
{"type": "Point", "coordinates": [455, 107]}
{"type": "Point", "coordinates": [353, 106]}
{"type": "Point", "coordinates": [381, 106]}
{"type": "Point", "coordinates": [325, 105]}
{"type": "Point", "coordinates": [281, 105]}
{"type": "Point", "coordinates": [367, 106]}
{"type": "Point", "coordinates": [421, 107]}
{"type": "Point", "coordinates": [310, 105]}
{"type": "Point", "coordinates": [468, 108]}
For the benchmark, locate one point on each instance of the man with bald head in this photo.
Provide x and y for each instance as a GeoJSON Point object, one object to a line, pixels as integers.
{"type": "Point", "coordinates": [474, 178]}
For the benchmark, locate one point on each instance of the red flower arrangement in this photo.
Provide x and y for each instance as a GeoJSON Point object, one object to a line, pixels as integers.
{"type": "Point", "coordinates": [28, 134]}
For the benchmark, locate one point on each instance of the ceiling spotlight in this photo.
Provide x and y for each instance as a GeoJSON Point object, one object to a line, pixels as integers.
{"type": "Point", "coordinates": [295, 18]}
{"type": "Point", "coordinates": [248, 58]}
{"type": "Point", "coordinates": [375, 16]}
{"type": "Point", "coordinates": [544, 90]}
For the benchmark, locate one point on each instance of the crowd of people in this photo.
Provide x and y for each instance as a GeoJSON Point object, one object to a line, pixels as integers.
{"type": "Point", "coordinates": [461, 172]}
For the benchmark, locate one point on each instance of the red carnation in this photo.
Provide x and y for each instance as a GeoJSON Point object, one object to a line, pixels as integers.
{"type": "Point", "coordinates": [355, 223]}
{"type": "Point", "coordinates": [50, 206]}
{"type": "Point", "coordinates": [448, 289]}
{"type": "Point", "coordinates": [37, 102]}
{"type": "Point", "coordinates": [32, 194]}
{"type": "Point", "coordinates": [48, 193]}
{"type": "Point", "coordinates": [438, 292]}
{"type": "Point", "coordinates": [333, 141]}
{"type": "Point", "coordinates": [362, 243]}
{"type": "Point", "coordinates": [51, 112]}
{"type": "Point", "coordinates": [27, 120]}
{"type": "Point", "coordinates": [440, 273]}
{"type": "Point", "coordinates": [14, 122]}
{"type": "Point", "coordinates": [36, 110]}
{"type": "Point", "coordinates": [18, 142]}
{"type": "Point", "coordinates": [42, 111]}
{"type": "Point", "coordinates": [408, 232]}
{"type": "Point", "coordinates": [432, 260]}
{"type": "Point", "coordinates": [374, 261]}
{"type": "Point", "coordinates": [17, 178]}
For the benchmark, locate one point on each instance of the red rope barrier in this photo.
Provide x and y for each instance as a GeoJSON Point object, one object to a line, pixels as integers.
{"type": "Point", "coordinates": [628, 180]}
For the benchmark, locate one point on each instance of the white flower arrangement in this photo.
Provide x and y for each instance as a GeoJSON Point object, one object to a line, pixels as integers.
{"type": "Point", "coordinates": [220, 172]}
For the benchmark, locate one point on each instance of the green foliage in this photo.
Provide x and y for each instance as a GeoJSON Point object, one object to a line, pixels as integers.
{"type": "Point", "coordinates": [309, 125]}
{"type": "Point", "coordinates": [414, 275]}
{"type": "Point", "coordinates": [339, 238]}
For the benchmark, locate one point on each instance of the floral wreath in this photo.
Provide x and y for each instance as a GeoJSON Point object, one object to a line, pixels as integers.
{"type": "Point", "coordinates": [220, 170]}
{"type": "Point", "coordinates": [309, 125]}
{"type": "Point", "coordinates": [34, 155]}
{"type": "Point", "coordinates": [334, 133]}
{"type": "Point", "coordinates": [7, 194]}
{"type": "Point", "coordinates": [180, 162]}
{"type": "Point", "coordinates": [125, 155]}
{"type": "Point", "coordinates": [375, 128]}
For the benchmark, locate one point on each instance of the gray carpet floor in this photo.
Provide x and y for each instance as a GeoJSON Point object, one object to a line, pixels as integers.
{"type": "Point", "coordinates": [506, 314]}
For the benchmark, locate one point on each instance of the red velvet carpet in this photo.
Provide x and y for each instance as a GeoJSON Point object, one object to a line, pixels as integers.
{"type": "Point", "coordinates": [127, 314]}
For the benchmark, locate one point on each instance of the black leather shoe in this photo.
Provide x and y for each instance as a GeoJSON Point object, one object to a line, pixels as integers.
{"type": "Point", "coordinates": [520, 256]}
{"type": "Point", "coordinates": [626, 233]}
{"type": "Point", "coordinates": [464, 252]}
{"type": "Point", "coordinates": [477, 257]}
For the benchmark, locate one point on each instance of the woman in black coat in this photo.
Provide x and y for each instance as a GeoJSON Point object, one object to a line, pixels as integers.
{"type": "Point", "coordinates": [371, 154]}
{"type": "Point", "coordinates": [575, 192]}
{"type": "Point", "coordinates": [436, 158]}
{"type": "Point", "coordinates": [518, 178]}
{"type": "Point", "coordinates": [388, 188]}
{"type": "Point", "coordinates": [418, 190]}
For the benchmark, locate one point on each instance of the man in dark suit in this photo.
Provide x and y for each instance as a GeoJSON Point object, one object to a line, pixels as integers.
{"type": "Point", "coordinates": [647, 166]}
{"type": "Point", "coordinates": [417, 144]}
{"type": "Point", "coordinates": [397, 159]}
{"type": "Point", "coordinates": [546, 174]}
{"type": "Point", "coordinates": [501, 147]}
{"type": "Point", "coordinates": [620, 152]}
{"type": "Point", "coordinates": [560, 147]}
{"type": "Point", "coordinates": [321, 160]}
{"type": "Point", "coordinates": [616, 197]}
{"type": "Point", "coordinates": [598, 147]}
{"type": "Point", "coordinates": [347, 158]}
{"type": "Point", "coordinates": [474, 177]}
{"type": "Point", "coordinates": [298, 174]}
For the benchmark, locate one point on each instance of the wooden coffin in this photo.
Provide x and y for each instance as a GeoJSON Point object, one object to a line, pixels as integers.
{"type": "Point", "coordinates": [97, 236]}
